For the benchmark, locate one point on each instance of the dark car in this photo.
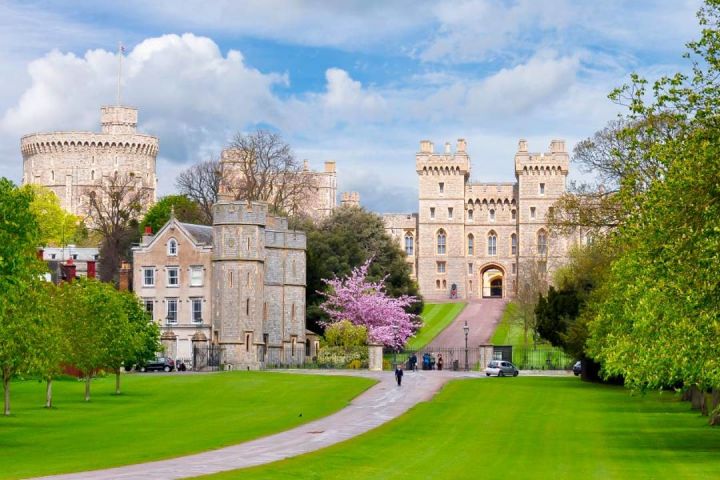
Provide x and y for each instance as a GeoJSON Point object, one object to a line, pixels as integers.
{"type": "Point", "coordinates": [162, 363]}
{"type": "Point", "coordinates": [577, 368]}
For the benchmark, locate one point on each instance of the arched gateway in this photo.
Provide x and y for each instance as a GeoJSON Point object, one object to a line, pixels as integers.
{"type": "Point", "coordinates": [492, 281]}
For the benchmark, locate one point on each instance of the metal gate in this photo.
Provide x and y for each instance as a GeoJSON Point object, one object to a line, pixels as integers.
{"type": "Point", "coordinates": [207, 357]}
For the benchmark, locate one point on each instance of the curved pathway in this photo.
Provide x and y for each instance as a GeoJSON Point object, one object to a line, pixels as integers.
{"type": "Point", "coordinates": [377, 405]}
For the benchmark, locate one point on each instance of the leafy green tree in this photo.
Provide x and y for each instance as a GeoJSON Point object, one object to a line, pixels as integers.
{"type": "Point", "coordinates": [145, 333]}
{"type": "Point", "coordinates": [186, 210]}
{"type": "Point", "coordinates": [655, 319]}
{"type": "Point", "coordinates": [345, 334]}
{"type": "Point", "coordinates": [19, 281]}
{"type": "Point", "coordinates": [57, 227]}
{"type": "Point", "coordinates": [346, 240]}
{"type": "Point", "coordinates": [52, 341]}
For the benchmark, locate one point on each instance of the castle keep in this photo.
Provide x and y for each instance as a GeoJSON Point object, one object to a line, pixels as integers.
{"type": "Point", "coordinates": [71, 163]}
{"type": "Point", "coordinates": [471, 240]}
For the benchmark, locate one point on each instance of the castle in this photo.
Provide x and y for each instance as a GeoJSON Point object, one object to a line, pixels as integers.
{"type": "Point", "coordinates": [239, 285]}
{"type": "Point", "coordinates": [72, 163]}
{"type": "Point", "coordinates": [474, 240]}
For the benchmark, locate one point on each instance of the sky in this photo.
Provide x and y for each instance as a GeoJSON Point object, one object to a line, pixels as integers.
{"type": "Point", "coordinates": [359, 82]}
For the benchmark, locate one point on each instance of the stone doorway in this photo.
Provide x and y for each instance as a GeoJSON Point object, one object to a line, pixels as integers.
{"type": "Point", "coordinates": [492, 282]}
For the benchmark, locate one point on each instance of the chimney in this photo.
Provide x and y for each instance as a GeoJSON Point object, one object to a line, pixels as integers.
{"type": "Point", "coordinates": [330, 166]}
{"type": "Point", "coordinates": [124, 281]}
{"type": "Point", "coordinates": [522, 145]}
{"type": "Point", "coordinates": [461, 145]}
{"type": "Point", "coordinates": [557, 146]}
{"type": "Point", "coordinates": [447, 148]}
{"type": "Point", "coordinates": [69, 270]}
{"type": "Point", "coordinates": [426, 146]}
{"type": "Point", "coordinates": [148, 235]}
{"type": "Point", "coordinates": [306, 165]}
{"type": "Point", "coordinates": [91, 269]}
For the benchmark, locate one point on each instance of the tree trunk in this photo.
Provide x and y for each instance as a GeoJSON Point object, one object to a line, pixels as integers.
{"type": "Point", "coordinates": [715, 408]}
{"type": "Point", "coordinates": [48, 393]}
{"type": "Point", "coordinates": [6, 391]}
{"type": "Point", "coordinates": [87, 387]}
{"type": "Point", "coordinates": [117, 381]}
{"type": "Point", "coordinates": [687, 395]}
{"type": "Point", "coordinates": [697, 398]}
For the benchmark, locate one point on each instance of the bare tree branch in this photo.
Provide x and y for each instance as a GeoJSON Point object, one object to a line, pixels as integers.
{"type": "Point", "coordinates": [201, 183]}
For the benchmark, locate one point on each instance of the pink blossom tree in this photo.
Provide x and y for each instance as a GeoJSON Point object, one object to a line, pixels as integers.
{"type": "Point", "coordinates": [365, 303]}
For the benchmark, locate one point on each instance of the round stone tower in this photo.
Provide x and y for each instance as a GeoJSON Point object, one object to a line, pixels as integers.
{"type": "Point", "coordinates": [70, 163]}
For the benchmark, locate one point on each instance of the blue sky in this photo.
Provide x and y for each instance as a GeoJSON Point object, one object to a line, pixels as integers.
{"type": "Point", "coordinates": [358, 82]}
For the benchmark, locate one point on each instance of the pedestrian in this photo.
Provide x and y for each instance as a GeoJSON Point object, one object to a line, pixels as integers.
{"type": "Point", "coordinates": [398, 374]}
{"type": "Point", "coordinates": [413, 363]}
{"type": "Point", "coordinates": [440, 361]}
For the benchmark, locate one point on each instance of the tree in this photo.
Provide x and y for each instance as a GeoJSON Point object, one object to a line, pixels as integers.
{"type": "Point", "coordinates": [52, 341]}
{"type": "Point", "coordinates": [186, 210]}
{"type": "Point", "coordinates": [20, 272]}
{"type": "Point", "coordinates": [145, 333]}
{"type": "Point", "coordinates": [57, 227]}
{"type": "Point", "coordinates": [345, 334]}
{"type": "Point", "coordinates": [116, 205]}
{"type": "Point", "coordinates": [654, 320]}
{"type": "Point", "coordinates": [532, 283]}
{"type": "Point", "coordinates": [261, 166]}
{"type": "Point", "coordinates": [201, 183]}
{"type": "Point", "coordinates": [98, 317]}
{"type": "Point", "coordinates": [366, 303]}
{"type": "Point", "coordinates": [343, 241]}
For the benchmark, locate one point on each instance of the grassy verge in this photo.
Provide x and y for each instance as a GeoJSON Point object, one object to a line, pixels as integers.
{"type": "Point", "coordinates": [159, 416]}
{"type": "Point", "coordinates": [436, 317]}
{"type": "Point", "coordinates": [509, 332]}
{"type": "Point", "coordinates": [521, 428]}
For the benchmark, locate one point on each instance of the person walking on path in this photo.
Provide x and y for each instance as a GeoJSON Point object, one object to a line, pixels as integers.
{"type": "Point", "coordinates": [398, 374]}
{"type": "Point", "coordinates": [440, 361]}
{"type": "Point", "coordinates": [413, 363]}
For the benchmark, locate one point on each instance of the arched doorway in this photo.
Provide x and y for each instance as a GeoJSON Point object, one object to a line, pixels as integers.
{"type": "Point", "coordinates": [492, 282]}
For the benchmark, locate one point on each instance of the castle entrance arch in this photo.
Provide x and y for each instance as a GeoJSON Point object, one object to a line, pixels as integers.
{"type": "Point", "coordinates": [493, 279]}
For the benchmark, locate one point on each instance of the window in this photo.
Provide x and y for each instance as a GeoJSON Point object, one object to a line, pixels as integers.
{"type": "Point", "coordinates": [542, 189]}
{"type": "Point", "coordinates": [196, 310]}
{"type": "Point", "coordinates": [149, 307]}
{"type": "Point", "coordinates": [532, 212]}
{"type": "Point", "coordinates": [491, 215]}
{"type": "Point", "coordinates": [173, 276]}
{"type": "Point", "coordinates": [492, 244]}
{"type": "Point", "coordinates": [149, 277]}
{"type": "Point", "coordinates": [441, 238]}
{"type": "Point", "coordinates": [172, 248]}
{"type": "Point", "coordinates": [471, 245]}
{"type": "Point", "coordinates": [432, 213]}
{"type": "Point", "coordinates": [470, 268]}
{"type": "Point", "coordinates": [542, 266]}
{"type": "Point", "coordinates": [450, 213]}
{"type": "Point", "coordinates": [409, 244]}
{"type": "Point", "coordinates": [514, 268]}
{"type": "Point", "coordinates": [542, 242]}
{"type": "Point", "coordinates": [440, 267]}
{"type": "Point", "coordinates": [230, 279]}
{"type": "Point", "coordinates": [470, 215]}
{"type": "Point", "coordinates": [514, 214]}
{"type": "Point", "coordinates": [196, 276]}
{"type": "Point", "coordinates": [441, 186]}
{"type": "Point", "coordinates": [247, 307]}
{"type": "Point", "coordinates": [437, 284]}
{"type": "Point", "coordinates": [513, 244]}
{"type": "Point", "coordinates": [171, 304]}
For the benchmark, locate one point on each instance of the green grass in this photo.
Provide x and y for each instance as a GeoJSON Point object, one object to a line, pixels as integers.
{"type": "Point", "coordinates": [508, 332]}
{"type": "Point", "coordinates": [159, 416]}
{"type": "Point", "coordinates": [435, 317]}
{"type": "Point", "coordinates": [521, 428]}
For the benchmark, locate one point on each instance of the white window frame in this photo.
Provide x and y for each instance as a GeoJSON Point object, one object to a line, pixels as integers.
{"type": "Point", "coordinates": [172, 248]}
{"type": "Point", "coordinates": [177, 276]}
{"type": "Point", "coordinates": [196, 301]}
{"type": "Point", "coordinates": [168, 302]}
{"type": "Point", "coordinates": [193, 270]}
{"type": "Point", "coordinates": [492, 245]}
{"type": "Point", "coordinates": [441, 267]}
{"type": "Point", "coordinates": [145, 277]}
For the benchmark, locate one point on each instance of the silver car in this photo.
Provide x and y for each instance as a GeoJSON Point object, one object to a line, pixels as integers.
{"type": "Point", "coordinates": [501, 368]}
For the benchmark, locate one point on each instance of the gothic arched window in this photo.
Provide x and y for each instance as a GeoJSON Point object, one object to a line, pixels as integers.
{"type": "Point", "coordinates": [542, 242]}
{"type": "Point", "coordinates": [513, 244]}
{"type": "Point", "coordinates": [441, 242]}
{"type": "Point", "coordinates": [492, 243]}
{"type": "Point", "coordinates": [172, 248]}
{"type": "Point", "coordinates": [409, 245]}
{"type": "Point", "coordinates": [471, 245]}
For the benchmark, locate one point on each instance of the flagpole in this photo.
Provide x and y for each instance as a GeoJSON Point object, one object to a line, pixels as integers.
{"type": "Point", "coordinates": [120, 55]}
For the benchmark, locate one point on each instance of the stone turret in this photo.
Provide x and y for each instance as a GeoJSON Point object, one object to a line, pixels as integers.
{"type": "Point", "coordinates": [350, 199]}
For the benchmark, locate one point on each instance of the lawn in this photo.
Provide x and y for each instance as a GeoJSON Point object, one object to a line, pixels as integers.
{"type": "Point", "coordinates": [521, 428]}
{"type": "Point", "coordinates": [435, 317]}
{"type": "Point", "coordinates": [158, 416]}
{"type": "Point", "coordinates": [509, 332]}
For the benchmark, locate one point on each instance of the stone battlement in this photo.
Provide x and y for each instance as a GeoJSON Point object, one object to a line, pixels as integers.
{"type": "Point", "coordinates": [240, 212]}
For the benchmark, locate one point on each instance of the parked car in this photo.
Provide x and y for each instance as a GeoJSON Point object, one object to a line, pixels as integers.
{"type": "Point", "coordinates": [577, 368]}
{"type": "Point", "coordinates": [162, 363]}
{"type": "Point", "coordinates": [501, 368]}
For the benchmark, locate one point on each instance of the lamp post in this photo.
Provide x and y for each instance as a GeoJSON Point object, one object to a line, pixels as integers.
{"type": "Point", "coordinates": [467, 330]}
{"type": "Point", "coordinates": [395, 332]}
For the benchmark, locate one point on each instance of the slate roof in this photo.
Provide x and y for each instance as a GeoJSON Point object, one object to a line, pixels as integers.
{"type": "Point", "coordinates": [202, 234]}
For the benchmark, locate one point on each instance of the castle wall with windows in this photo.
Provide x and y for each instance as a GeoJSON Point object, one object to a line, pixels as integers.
{"type": "Point", "coordinates": [481, 239]}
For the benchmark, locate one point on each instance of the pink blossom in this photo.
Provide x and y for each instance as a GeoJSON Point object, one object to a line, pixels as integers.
{"type": "Point", "coordinates": [366, 303]}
